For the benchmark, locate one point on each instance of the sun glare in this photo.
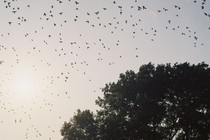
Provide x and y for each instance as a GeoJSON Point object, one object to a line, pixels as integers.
{"type": "Point", "coordinates": [23, 85]}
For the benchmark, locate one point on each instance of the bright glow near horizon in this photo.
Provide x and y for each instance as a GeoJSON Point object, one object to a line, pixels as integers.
{"type": "Point", "coordinates": [23, 85]}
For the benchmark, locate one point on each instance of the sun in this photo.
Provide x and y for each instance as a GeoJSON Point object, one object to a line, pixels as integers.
{"type": "Point", "coordinates": [23, 85]}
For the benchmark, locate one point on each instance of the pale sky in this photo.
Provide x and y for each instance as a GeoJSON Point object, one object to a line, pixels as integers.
{"type": "Point", "coordinates": [56, 55]}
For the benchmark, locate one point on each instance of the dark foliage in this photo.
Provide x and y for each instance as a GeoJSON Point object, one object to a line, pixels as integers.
{"type": "Point", "coordinates": [162, 102]}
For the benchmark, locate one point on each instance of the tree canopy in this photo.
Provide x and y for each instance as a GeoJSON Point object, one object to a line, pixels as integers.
{"type": "Point", "coordinates": [157, 102]}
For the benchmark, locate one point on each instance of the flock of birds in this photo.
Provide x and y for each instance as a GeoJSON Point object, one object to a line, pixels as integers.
{"type": "Point", "coordinates": [66, 46]}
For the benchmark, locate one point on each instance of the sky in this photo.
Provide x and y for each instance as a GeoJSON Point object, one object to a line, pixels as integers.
{"type": "Point", "coordinates": [57, 55]}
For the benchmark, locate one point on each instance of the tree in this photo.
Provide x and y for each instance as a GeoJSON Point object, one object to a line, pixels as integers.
{"type": "Point", "coordinates": [162, 102]}
{"type": "Point", "coordinates": [81, 127]}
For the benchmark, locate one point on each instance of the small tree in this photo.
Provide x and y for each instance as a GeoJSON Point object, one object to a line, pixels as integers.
{"type": "Point", "coordinates": [81, 127]}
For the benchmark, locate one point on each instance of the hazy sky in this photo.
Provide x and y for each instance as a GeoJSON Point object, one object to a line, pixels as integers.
{"type": "Point", "coordinates": [56, 55]}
